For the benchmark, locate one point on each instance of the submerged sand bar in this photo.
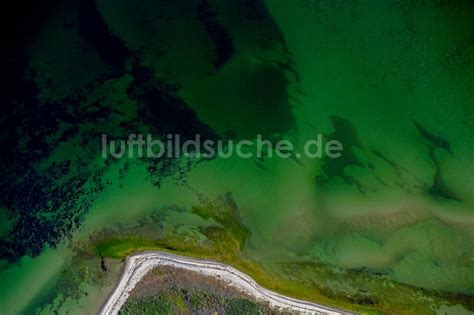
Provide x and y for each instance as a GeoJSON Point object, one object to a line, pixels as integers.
{"type": "Point", "coordinates": [137, 266]}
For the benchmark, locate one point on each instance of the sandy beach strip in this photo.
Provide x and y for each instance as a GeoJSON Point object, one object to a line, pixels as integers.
{"type": "Point", "coordinates": [137, 266]}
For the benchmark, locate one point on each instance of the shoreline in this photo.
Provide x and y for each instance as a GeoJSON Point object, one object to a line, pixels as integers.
{"type": "Point", "coordinates": [137, 266]}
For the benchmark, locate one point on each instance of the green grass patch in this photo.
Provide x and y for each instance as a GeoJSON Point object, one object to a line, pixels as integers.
{"type": "Point", "coordinates": [149, 306]}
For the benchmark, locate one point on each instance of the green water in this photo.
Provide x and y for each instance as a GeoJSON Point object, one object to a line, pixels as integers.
{"type": "Point", "coordinates": [392, 80]}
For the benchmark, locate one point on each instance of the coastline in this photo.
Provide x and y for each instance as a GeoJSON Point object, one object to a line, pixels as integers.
{"type": "Point", "coordinates": [137, 266]}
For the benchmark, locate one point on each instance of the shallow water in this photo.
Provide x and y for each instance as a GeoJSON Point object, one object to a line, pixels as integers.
{"type": "Point", "coordinates": [393, 81]}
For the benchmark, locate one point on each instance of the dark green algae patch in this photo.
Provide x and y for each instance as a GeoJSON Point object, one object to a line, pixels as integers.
{"type": "Point", "coordinates": [50, 136]}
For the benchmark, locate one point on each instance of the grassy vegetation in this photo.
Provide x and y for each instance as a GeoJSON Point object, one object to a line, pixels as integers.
{"type": "Point", "coordinates": [150, 306]}
{"type": "Point", "coordinates": [242, 307]}
{"type": "Point", "coordinates": [178, 298]}
{"type": "Point", "coordinates": [166, 305]}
